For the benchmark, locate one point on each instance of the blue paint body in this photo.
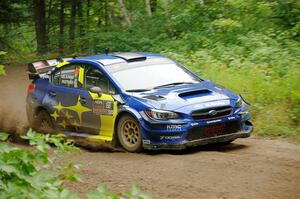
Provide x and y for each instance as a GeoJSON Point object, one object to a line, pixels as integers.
{"type": "Point", "coordinates": [172, 133]}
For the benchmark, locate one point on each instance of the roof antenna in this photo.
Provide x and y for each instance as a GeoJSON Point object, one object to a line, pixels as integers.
{"type": "Point", "coordinates": [106, 51]}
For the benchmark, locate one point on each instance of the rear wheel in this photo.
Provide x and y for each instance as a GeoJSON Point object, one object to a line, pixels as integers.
{"type": "Point", "coordinates": [42, 122]}
{"type": "Point", "coordinates": [129, 134]}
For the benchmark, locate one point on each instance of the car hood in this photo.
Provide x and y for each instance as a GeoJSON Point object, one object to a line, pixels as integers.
{"type": "Point", "coordinates": [187, 97]}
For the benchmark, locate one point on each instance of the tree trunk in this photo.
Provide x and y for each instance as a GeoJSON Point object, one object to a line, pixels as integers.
{"type": "Point", "coordinates": [61, 26]}
{"type": "Point", "coordinates": [39, 9]}
{"type": "Point", "coordinates": [72, 24]}
{"type": "Point", "coordinates": [80, 16]}
{"type": "Point", "coordinates": [148, 7]}
{"type": "Point", "coordinates": [48, 18]}
{"type": "Point", "coordinates": [88, 7]}
{"type": "Point", "coordinates": [125, 12]}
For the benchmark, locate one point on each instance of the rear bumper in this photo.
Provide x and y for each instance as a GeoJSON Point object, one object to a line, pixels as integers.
{"type": "Point", "coordinates": [203, 141]}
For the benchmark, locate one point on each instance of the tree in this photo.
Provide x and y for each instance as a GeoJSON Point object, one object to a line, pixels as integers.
{"type": "Point", "coordinates": [148, 7]}
{"type": "Point", "coordinates": [80, 17]}
{"type": "Point", "coordinates": [125, 12]}
{"type": "Point", "coordinates": [61, 26]}
{"type": "Point", "coordinates": [39, 9]}
{"type": "Point", "coordinates": [72, 23]}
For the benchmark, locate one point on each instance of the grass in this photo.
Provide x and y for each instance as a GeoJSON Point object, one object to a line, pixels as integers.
{"type": "Point", "coordinates": [274, 95]}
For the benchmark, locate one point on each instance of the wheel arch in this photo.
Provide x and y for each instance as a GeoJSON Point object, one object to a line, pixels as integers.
{"type": "Point", "coordinates": [38, 109]}
{"type": "Point", "coordinates": [122, 113]}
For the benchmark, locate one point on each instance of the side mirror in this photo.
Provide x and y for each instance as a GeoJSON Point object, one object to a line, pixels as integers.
{"type": "Point", "coordinates": [96, 90]}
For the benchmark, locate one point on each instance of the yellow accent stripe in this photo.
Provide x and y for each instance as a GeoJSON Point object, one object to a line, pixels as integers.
{"type": "Point", "coordinates": [62, 64]}
{"type": "Point", "coordinates": [100, 138]}
{"type": "Point", "coordinates": [107, 121]}
{"type": "Point", "coordinates": [80, 75]}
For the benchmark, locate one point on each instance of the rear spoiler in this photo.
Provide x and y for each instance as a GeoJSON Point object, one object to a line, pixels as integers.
{"type": "Point", "coordinates": [40, 68]}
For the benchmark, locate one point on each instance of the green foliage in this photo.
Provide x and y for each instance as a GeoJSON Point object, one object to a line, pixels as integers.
{"type": "Point", "coordinates": [3, 136]}
{"type": "Point", "coordinates": [103, 193]}
{"type": "Point", "coordinates": [2, 53]}
{"type": "Point", "coordinates": [32, 173]}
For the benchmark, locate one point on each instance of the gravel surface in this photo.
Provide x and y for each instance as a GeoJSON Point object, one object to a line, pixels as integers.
{"type": "Point", "coordinates": [247, 168]}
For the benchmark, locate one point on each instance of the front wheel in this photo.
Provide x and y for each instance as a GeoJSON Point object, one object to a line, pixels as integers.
{"type": "Point", "coordinates": [129, 134]}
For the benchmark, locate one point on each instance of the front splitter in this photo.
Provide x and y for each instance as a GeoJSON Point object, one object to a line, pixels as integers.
{"type": "Point", "coordinates": [203, 141]}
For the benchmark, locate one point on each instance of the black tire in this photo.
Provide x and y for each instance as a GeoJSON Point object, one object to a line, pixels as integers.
{"type": "Point", "coordinates": [129, 134]}
{"type": "Point", "coordinates": [42, 122]}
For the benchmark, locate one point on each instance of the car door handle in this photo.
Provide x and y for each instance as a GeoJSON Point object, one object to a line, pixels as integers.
{"type": "Point", "coordinates": [52, 93]}
{"type": "Point", "coordinates": [82, 100]}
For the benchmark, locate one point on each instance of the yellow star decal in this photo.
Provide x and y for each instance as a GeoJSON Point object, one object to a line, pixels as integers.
{"type": "Point", "coordinates": [76, 125]}
{"type": "Point", "coordinates": [68, 116]}
{"type": "Point", "coordinates": [55, 115]}
{"type": "Point", "coordinates": [63, 124]}
{"type": "Point", "coordinates": [58, 107]}
{"type": "Point", "coordinates": [79, 109]}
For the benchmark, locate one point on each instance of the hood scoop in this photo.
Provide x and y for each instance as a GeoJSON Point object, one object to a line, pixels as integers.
{"type": "Point", "coordinates": [193, 94]}
{"type": "Point", "coordinates": [154, 97]}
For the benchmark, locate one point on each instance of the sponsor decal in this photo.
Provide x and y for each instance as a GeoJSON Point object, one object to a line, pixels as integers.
{"type": "Point", "coordinates": [213, 121]}
{"type": "Point", "coordinates": [67, 81]}
{"type": "Point", "coordinates": [146, 142]}
{"type": "Point", "coordinates": [174, 127]}
{"type": "Point", "coordinates": [169, 137]}
{"type": "Point", "coordinates": [103, 107]}
{"type": "Point", "coordinates": [231, 118]}
{"type": "Point", "coordinates": [213, 104]}
{"type": "Point", "coordinates": [194, 124]}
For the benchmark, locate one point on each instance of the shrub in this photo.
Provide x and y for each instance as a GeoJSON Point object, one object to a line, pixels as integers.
{"type": "Point", "coordinates": [32, 173]}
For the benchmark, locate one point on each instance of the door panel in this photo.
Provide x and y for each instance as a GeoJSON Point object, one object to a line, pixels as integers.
{"type": "Point", "coordinates": [76, 108]}
{"type": "Point", "coordinates": [64, 92]}
{"type": "Point", "coordinates": [65, 107]}
{"type": "Point", "coordinates": [105, 107]}
{"type": "Point", "coordinates": [100, 120]}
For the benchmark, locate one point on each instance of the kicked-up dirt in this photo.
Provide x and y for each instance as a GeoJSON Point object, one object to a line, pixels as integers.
{"type": "Point", "coordinates": [247, 168]}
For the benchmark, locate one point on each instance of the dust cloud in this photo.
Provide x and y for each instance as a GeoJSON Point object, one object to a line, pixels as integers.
{"type": "Point", "coordinates": [13, 86]}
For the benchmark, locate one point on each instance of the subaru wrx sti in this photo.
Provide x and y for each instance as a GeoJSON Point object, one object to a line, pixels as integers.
{"type": "Point", "coordinates": [137, 100]}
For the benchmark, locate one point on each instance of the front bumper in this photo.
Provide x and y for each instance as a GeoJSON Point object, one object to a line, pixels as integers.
{"type": "Point", "coordinates": [203, 141]}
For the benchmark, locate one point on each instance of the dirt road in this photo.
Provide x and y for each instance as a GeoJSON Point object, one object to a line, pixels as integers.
{"type": "Point", "coordinates": [248, 168]}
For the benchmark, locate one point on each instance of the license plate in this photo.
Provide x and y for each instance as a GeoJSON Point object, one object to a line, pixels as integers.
{"type": "Point", "coordinates": [214, 130]}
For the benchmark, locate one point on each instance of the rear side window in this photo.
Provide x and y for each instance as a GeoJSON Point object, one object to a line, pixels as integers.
{"type": "Point", "coordinates": [67, 76]}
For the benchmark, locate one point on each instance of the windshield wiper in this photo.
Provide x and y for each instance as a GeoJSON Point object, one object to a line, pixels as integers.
{"type": "Point", "coordinates": [172, 84]}
{"type": "Point", "coordinates": [138, 90]}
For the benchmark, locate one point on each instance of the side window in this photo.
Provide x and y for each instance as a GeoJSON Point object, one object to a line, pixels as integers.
{"type": "Point", "coordinates": [67, 76]}
{"type": "Point", "coordinates": [94, 77]}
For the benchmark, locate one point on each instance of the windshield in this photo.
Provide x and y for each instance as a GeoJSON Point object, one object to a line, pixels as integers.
{"type": "Point", "coordinates": [141, 78]}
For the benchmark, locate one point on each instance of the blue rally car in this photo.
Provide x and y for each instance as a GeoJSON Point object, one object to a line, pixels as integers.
{"type": "Point", "coordinates": [137, 100]}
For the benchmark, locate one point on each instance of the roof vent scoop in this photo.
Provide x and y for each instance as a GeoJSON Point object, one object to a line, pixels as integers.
{"type": "Point", "coordinates": [154, 97]}
{"type": "Point", "coordinates": [130, 57]}
{"type": "Point", "coordinates": [192, 94]}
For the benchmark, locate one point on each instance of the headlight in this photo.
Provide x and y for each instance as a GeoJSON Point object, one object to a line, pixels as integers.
{"type": "Point", "coordinates": [239, 102]}
{"type": "Point", "coordinates": [161, 114]}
